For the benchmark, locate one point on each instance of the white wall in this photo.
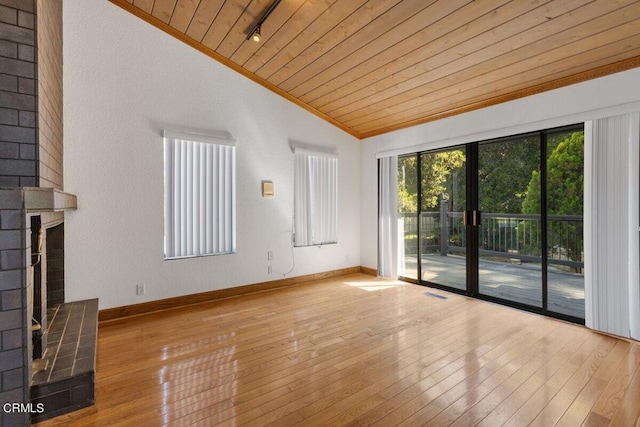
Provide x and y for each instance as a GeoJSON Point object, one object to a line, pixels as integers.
{"type": "Point", "coordinates": [608, 96]}
{"type": "Point", "coordinates": [124, 81]}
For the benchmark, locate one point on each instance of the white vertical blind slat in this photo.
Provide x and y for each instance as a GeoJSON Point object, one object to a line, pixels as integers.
{"type": "Point", "coordinates": [188, 206]}
{"type": "Point", "coordinates": [168, 206]}
{"type": "Point", "coordinates": [221, 189]}
{"type": "Point", "coordinates": [634, 225]}
{"type": "Point", "coordinates": [221, 195]}
{"type": "Point", "coordinates": [208, 231]}
{"type": "Point", "coordinates": [180, 195]}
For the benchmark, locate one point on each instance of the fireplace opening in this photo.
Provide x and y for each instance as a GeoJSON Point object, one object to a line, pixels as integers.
{"type": "Point", "coordinates": [47, 263]}
{"type": "Point", "coordinates": [47, 269]}
{"type": "Point", "coordinates": [39, 321]}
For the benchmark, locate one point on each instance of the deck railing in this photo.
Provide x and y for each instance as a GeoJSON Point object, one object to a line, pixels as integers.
{"type": "Point", "coordinates": [503, 236]}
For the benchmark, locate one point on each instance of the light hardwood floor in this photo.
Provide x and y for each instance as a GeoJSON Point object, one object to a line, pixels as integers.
{"type": "Point", "coordinates": [357, 350]}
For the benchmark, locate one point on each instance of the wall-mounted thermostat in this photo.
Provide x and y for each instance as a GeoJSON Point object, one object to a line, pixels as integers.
{"type": "Point", "coordinates": [267, 189]}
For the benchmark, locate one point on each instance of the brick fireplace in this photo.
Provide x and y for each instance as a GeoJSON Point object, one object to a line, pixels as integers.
{"type": "Point", "coordinates": [23, 289]}
{"type": "Point", "coordinates": [32, 199]}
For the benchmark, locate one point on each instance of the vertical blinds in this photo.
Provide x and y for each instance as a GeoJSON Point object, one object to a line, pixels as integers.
{"type": "Point", "coordinates": [388, 242]}
{"type": "Point", "coordinates": [200, 195]}
{"type": "Point", "coordinates": [612, 294]}
{"type": "Point", "coordinates": [315, 197]}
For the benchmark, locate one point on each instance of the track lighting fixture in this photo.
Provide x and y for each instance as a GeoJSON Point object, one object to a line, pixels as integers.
{"type": "Point", "coordinates": [254, 32]}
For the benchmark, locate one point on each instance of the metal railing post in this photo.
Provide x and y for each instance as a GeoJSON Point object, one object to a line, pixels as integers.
{"type": "Point", "coordinates": [444, 227]}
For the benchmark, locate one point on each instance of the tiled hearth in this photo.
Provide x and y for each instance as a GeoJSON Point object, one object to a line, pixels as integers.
{"type": "Point", "coordinates": [67, 383]}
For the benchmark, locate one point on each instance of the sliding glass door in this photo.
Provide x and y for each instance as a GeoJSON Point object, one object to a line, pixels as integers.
{"type": "Point", "coordinates": [499, 220]}
{"type": "Point", "coordinates": [509, 227]}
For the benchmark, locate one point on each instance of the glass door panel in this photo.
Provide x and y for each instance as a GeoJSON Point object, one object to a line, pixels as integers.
{"type": "Point", "coordinates": [509, 230]}
{"type": "Point", "coordinates": [565, 244]}
{"type": "Point", "coordinates": [442, 232]}
{"type": "Point", "coordinates": [408, 216]}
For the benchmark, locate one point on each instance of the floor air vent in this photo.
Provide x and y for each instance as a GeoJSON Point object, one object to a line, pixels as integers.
{"type": "Point", "coordinates": [432, 295]}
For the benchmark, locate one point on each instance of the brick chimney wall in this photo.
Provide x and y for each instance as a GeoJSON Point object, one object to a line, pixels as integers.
{"type": "Point", "coordinates": [30, 155]}
{"type": "Point", "coordinates": [18, 101]}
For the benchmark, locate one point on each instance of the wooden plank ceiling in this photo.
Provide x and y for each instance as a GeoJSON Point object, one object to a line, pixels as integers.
{"type": "Point", "coordinates": [374, 66]}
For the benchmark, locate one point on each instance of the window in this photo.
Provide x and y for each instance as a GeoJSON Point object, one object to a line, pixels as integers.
{"type": "Point", "coordinates": [200, 195]}
{"type": "Point", "coordinates": [315, 198]}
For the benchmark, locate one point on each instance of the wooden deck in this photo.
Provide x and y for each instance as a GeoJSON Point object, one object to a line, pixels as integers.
{"type": "Point", "coordinates": [358, 351]}
{"type": "Point", "coordinates": [511, 281]}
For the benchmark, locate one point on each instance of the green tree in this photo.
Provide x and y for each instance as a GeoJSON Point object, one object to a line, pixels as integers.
{"type": "Point", "coordinates": [504, 171]}
{"type": "Point", "coordinates": [531, 202]}
{"type": "Point", "coordinates": [565, 189]}
{"type": "Point", "coordinates": [438, 180]}
{"type": "Point", "coordinates": [407, 184]}
{"type": "Point", "coordinates": [565, 180]}
{"type": "Point", "coordinates": [439, 174]}
{"type": "Point", "coordinates": [565, 177]}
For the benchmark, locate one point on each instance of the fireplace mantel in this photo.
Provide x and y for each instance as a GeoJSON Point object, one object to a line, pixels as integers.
{"type": "Point", "coordinates": [41, 199]}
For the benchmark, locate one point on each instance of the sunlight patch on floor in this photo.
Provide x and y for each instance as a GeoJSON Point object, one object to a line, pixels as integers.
{"type": "Point", "coordinates": [376, 284]}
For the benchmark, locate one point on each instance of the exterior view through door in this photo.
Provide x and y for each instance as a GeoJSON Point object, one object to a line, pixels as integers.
{"type": "Point", "coordinates": [500, 220]}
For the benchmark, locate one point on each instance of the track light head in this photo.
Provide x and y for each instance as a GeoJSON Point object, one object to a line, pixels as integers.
{"type": "Point", "coordinates": [256, 34]}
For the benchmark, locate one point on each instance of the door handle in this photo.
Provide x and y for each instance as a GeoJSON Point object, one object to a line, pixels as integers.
{"type": "Point", "coordinates": [476, 217]}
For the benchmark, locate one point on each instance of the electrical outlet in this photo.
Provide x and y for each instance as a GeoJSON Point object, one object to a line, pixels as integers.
{"type": "Point", "coordinates": [269, 269]}
{"type": "Point", "coordinates": [140, 289]}
{"type": "Point", "coordinates": [270, 256]}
